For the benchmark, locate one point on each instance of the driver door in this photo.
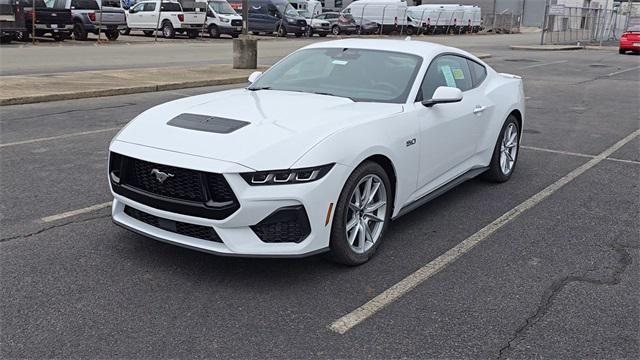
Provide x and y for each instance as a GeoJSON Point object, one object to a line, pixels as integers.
{"type": "Point", "coordinates": [449, 133]}
{"type": "Point", "coordinates": [134, 15]}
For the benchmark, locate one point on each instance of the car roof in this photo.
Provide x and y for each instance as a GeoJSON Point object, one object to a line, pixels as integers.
{"type": "Point", "coordinates": [424, 49]}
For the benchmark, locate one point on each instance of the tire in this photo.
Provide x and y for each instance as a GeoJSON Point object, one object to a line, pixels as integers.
{"type": "Point", "coordinates": [79, 32]}
{"type": "Point", "coordinates": [282, 32]}
{"type": "Point", "coordinates": [360, 250]}
{"type": "Point", "coordinates": [168, 32]}
{"type": "Point", "coordinates": [213, 31]}
{"type": "Point", "coordinates": [335, 30]}
{"type": "Point", "coordinates": [148, 33]}
{"type": "Point", "coordinates": [22, 36]}
{"type": "Point", "coordinates": [622, 51]}
{"type": "Point", "coordinates": [496, 172]}
{"type": "Point", "coordinates": [112, 35]}
{"type": "Point", "coordinates": [409, 30]}
{"type": "Point", "coordinates": [126, 31]}
{"type": "Point", "coordinates": [192, 34]}
{"type": "Point", "coordinates": [59, 36]}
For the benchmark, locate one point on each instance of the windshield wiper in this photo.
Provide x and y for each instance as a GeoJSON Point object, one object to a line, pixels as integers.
{"type": "Point", "coordinates": [259, 88]}
{"type": "Point", "coordinates": [330, 94]}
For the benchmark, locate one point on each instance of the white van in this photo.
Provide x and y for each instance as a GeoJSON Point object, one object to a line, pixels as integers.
{"type": "Point", "coordinates": [312, 7]}
{"type": "Point", "coordinates": [222, 19]}
{"type": "Point", "coordinates": [392, 15]}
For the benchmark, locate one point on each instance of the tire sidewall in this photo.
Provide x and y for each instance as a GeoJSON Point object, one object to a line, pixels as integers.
{"type": "Point", "coordinates": [340, 249]}
{"type": "Point", "coordinates": [167, 30]}
{"type": "Point", "coordinates": [495, 171]}
{"type": "Point", "coordinates": [213, 32]}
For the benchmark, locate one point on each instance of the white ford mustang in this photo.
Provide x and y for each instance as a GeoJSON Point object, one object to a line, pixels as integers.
{"type": "Point", "coordinates": [319, 153]}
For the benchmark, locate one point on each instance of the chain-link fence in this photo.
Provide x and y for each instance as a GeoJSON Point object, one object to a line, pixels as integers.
{"type": "Point", "coordinates": [502, 23]}
{"type": "Point", "coordinates": [569, 25]}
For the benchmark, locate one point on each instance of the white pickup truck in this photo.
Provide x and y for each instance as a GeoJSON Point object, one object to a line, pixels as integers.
{"type": "Point", "coordinates": [171, 18]}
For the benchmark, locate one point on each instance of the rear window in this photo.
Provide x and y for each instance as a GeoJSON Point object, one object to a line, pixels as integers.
{"type": "Point", "coordinates": [171, 7]}
{"type": "Point", "coordinates": [478, 72]}
{"type": "Point", "coordinates": [84, 5]}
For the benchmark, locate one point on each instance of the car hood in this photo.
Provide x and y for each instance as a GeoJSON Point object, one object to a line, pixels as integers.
{"type": "Point", "coordinates": [280, 127]}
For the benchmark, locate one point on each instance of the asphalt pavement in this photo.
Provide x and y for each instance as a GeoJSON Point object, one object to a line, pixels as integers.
{"type": "Point", "coordinates": [560, 280]}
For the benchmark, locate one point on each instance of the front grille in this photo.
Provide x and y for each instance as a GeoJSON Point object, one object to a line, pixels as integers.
{"type": "Point", "coordinates": [186, 229]}
{"type": "Point", "coordinates": [171, 188]}
{"type": "Point", "coordinates": [287, 224]}
{"type": "Point", "coordinates": [236, 22]}
{"type": "Point", "coordinates": [302, 22]}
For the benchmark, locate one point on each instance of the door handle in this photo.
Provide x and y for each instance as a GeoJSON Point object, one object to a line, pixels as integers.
{"type": "Point", "coordinates": [478, 109]}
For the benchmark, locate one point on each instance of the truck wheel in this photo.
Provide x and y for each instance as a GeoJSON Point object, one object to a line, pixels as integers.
{"type": "Point", "coordinates": [335, 30]}
{"type": "Point", "coordinates": [282, 32]}
{"type": "Point", "coordinates": [167, 30]}
{"type": "Point", "coordinates": [126, 31]}
{"type": "Point", "coordinates": [79, 32]}
{"type": "Point", "coordinates": [112, 35]}
{"type": "Point", "coordinates": [409, 30]}
{"type": "Point", "coordinates": [59, 36]}
{"type": "Point", "coordinates": [22, 36]}
{"type": "Point", "coordinates": [214, 32]}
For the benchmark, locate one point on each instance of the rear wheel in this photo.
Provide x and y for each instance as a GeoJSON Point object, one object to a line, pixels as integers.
{"type": "Point", "coordinates": [112, 35]}
{"type": "Point", "coordinates": [214, 32]}
{"type": "Point", "coordinates": [505, 153]}
{"type": "Point", "coordinates": [168, 31]}
{"type": "Point", "coordinates": [79, 32]}
{"type": "Point", "coordinates": [362, 214]}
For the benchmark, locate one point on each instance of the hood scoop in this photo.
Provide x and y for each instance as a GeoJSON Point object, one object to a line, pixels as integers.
{"type": "Point", "coordinates": [207, 123]}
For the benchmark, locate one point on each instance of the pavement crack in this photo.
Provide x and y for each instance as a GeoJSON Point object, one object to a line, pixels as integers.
{"type": "Point", "coordinates": [38, 232]}
{"type": "Point", "coordinates": [590, 276]}
{"type": "Point", "coordinates": [71, 111]}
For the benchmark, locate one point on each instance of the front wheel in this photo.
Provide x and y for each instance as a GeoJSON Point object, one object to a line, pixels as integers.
{"type": "Point", "coordinates": [214, 32]}
{"type": "Point", "coordinates": [505, 153]}
{"type": "Point", "coordinates": [335, 30]}
{"type": "Point", "coordinates": [282, 32]}
{"type": "Point", "coordinates": [362, 214]}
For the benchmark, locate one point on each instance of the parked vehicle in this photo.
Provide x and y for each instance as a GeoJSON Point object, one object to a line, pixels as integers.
{"type": "Point", "coordinates": [170, 18]}
{"type": "Point", "coordinates": [89, 18]}
{"type": "Point", "coordinates": [339, 23]}
{"type": "Point", "coordinates": [273, 16]}
{"type": "Point", "coordinates": [12, 19]}
{"type": "Point", "coordinates": [312, 6]}
{"type": "Point", "coordinates": [222, 19]}
{"type": "Point", "coordinates": [315, 25]}
{"type": "Point", "coordinates": [319, 153]}
{"type": "Point", "coordinates": [52, 17]}
{"type": "Point", "coordinates": [630, 40]}
{"type": "Point", "coordinates": [391, 15]}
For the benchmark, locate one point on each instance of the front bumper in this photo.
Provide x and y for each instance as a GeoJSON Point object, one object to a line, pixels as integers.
{"type": "Point", "coordinates": [257, 203]}
{"type": "Point", "coordinates": [230, 30]}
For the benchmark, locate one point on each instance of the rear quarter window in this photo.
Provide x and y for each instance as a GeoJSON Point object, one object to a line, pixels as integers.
{"type": "Point", "coordinates": [478, 72]}
{"type": "Point", "coordinates": [174, 7]}
{"type": "Point", "coordinates": [84, 5]}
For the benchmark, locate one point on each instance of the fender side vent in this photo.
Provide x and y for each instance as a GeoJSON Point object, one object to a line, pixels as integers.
{"type": "Point", "coordinates": [206, 123]}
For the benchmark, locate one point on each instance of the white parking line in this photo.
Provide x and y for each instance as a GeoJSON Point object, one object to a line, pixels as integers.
{"type": "Point", "coordinates": [622, 71]}
{"type": "Point", "coordinates": [544, 64]}
{"type": "Point", "coordinates": [393, 293]}
{"type": "Point", "coordinates": [59, 137]}
{"type": "Point", "coordinates": [71, 213]}
{"type": "Point", "coordinates": [578, 154]}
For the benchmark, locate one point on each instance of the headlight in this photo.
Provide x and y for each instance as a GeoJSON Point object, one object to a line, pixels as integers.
{"type": "Point", "coordinates": [289, 176]}
{"type": "Point", "coordinates": [224, 20]}
{"type": "Point", "coordinates": [291, 21]}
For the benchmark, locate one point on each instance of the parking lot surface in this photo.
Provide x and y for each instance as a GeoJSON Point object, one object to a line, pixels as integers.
{"type": "Point", "coordinates": [560, 279]}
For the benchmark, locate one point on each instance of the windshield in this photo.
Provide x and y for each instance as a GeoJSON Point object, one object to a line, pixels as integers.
{"type": "Point", "coordinates": [304, 14]}
{"type": "Point", "coordinates": [222, 7]}
{"type": "Point", "coordinates": [288, 10]}
{"type": "Point", "coordinates": [358, 74]}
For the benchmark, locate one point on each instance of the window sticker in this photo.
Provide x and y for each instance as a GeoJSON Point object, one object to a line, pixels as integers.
{"type": "Point", "coordinates": [340, 62]}
{"type": "Point", "coordinates": [448, 75]}
{"type": "Point", "coordinates": [458, 74]}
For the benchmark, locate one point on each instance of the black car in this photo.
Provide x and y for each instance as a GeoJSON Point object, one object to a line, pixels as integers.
{"type": "Point", "coordinates": [52, 18]}
{"type": "Point", "coordinates": [11, 20]}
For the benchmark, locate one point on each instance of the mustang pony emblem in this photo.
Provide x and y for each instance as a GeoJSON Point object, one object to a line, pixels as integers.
{"type": "Point", "coordinates": [161, 176]}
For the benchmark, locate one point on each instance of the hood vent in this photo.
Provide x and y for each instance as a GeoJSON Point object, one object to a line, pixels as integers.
{"type": "Point", "coordinates": [206, 123]}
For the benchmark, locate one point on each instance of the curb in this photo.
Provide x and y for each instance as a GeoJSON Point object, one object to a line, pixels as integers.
{"type": "Point", "coordinates": [120, 91]}
{"type": "Point", "coordinates": [546, 47]}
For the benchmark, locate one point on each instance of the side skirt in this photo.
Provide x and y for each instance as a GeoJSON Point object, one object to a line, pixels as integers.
{"type": "Point", "coordinates": [441, 190]}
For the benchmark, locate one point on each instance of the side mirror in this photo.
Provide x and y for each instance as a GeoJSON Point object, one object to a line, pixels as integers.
{"type": "Point", "coordinates": [131, 11]}
{"type": "Point", "coordinates": [254, 76]}
{"type": "Point", "coordinates": [444, 95]}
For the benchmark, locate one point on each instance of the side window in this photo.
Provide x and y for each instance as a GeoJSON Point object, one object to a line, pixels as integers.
{"type": "Point", "coordinates": [272, 10]}
{"type": "Point", "coordinates": [445, 70]}
{"type": "Point", "coordinates": [150, 7]}
{"type": "Point", "coordinates": [478, 72]}
{"type": "Point", "coordinates": [138, 7]}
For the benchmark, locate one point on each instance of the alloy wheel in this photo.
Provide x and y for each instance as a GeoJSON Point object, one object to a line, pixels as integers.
{"type": "Point", "coordinates": [366, 213]}
{"type": "Point", "coordinates": [509, 148]}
